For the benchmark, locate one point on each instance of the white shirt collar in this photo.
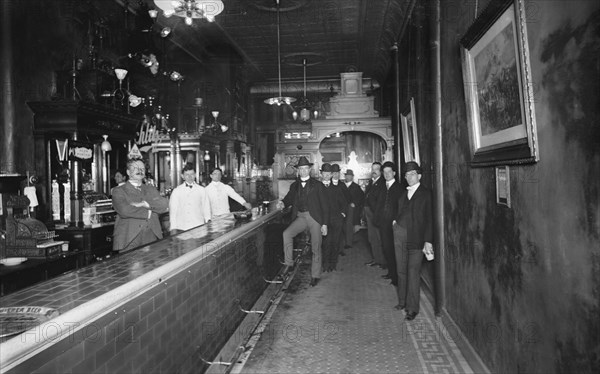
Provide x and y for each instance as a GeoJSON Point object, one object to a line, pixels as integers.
{"type": "Point", "coordinates": [389, 183]}
{"type": "Point", "coordinates": [375, 179]}
{"type": "Point", "coordinates": [304, 180]}
{"type": "Point", "coordinates": [136, 185]}
{"type": "Point", "coordinates": [348, 184]}
{"type": "Point", "coordinates": [413, 187]}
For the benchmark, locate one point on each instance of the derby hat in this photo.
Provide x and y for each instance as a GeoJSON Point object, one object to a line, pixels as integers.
{"type": "Point", "coordinates": [326, 167]}
{"type": "Point", "coordinates": [303, 161]}
{"type": "Point", "coordinates": [335, 168]}
{"type": "Point", "coordinates": [411, 165]}
{"type": "Point", "coordinates": [349, 172]}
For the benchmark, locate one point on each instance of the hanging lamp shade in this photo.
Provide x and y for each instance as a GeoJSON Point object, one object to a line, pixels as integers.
{"type": "Point", "coordinates": [279, 99]}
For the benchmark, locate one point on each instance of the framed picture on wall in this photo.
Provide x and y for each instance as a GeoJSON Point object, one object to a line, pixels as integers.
{"type": "Point", "coordinates": [503, 185]}
{"type": "Point", "coordinates": [410, 139]}
{"type": "Point", "coordinates": [498, 87]}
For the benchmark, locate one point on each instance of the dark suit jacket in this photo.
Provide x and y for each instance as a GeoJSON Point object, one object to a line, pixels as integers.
{"type": "Point", "coordinates": [318, 206]}
{"type": "Point", "coordinates": [385, 216]}
{"type": "Point", "coordinates": [373, 191]}
{"type": "Point", "coordinates": [337, 202]}
{"type": "Point", "coordinates": [355, 195]}
{"type": "Point", "coordinates": [416, 215]}
{"type": "Point", "coordinates": [131, 220]}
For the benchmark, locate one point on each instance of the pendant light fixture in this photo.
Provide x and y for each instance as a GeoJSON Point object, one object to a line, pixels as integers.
{"type": "Point", "coordinates": [279, 99]}
{"type": "Point", "coordinates": [305, 105]}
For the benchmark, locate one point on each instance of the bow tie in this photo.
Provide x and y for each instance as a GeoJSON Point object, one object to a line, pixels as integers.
{"type": "Point", "coordinates": [189, 185]}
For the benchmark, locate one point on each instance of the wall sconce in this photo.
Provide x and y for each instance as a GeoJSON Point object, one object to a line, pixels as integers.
{"type": "Point", "coordinates": [175, 76]}
{"type": "Point", "coordinates": [134, 101]}
{"type": "Point", "coordinates": [165, 32]}
{"type": "Point", "coordinates": [216, 125]}
{"type": "Point", "coordinates": [206, 156]}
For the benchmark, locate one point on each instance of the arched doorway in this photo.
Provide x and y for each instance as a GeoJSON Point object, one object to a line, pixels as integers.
{"type": "Point", "coordinates": [355, 150]}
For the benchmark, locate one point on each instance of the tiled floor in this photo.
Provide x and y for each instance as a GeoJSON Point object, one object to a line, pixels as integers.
{"type": "Point", "coordinates": [347, 324]}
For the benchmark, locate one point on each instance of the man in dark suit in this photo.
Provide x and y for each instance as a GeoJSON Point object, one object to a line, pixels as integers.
{"type": "Point", "coordinates": [413, 236]}
{"type": "Point", "coordinates": [385, 212]}
{"type": "Point", "coordinates": [138, 206]}
{"type": "Point", "coordinates": [375, 187]}
{"type": "Point", "coordinates": [356, 198]}
{"type": "Point", "coordinates": [310, 209]}
{"type": "Point", "coordinates": [337, 213]}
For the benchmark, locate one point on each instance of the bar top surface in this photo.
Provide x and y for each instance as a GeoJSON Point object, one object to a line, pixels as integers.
{"type": "Point", "coordinates": [77, 287]}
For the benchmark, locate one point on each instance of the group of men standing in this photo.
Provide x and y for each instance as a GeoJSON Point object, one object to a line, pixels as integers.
{"type": "Point", "coordinates": [399, 222]}
{"type": "Point", "coordinates": [329, 209]}
{"type": "Point", "coordinates": [138, 205]}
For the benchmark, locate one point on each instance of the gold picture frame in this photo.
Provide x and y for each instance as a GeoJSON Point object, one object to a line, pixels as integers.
{"type": "Point", "coordinates": [410, 139]}
{"type": "Point", "coordinates": [498, 87]}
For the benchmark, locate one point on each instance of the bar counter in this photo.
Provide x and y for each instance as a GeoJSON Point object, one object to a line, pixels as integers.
{"type": "Point", "coordinates": [159, 308]}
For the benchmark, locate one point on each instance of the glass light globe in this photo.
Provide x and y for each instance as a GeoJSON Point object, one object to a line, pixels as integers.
{"type": "Point", "coordinates": [106, 147]}
{"type": "Point", "coordinates": [121, 74]}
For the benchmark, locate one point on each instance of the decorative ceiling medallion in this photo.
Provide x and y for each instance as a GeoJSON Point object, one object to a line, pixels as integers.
{"type": "Point", "coordinates": [298, 58]}
{"type": "Point", "coordinates": [286, 6]}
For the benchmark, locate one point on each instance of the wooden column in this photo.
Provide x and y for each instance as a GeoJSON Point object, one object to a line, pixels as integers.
{"type": "Point", "coordinates": [7, 103]}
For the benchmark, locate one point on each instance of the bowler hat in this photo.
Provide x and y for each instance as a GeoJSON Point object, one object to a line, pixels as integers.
{"type": "Point", "coordinates": [303, 161]}
{"type": "Point", "coordinates": [326, 167]}
{"type": "Point", "coordinates": [335, 168]}
{"type": "Point", "coordinates": [349, 172]}
{"type": "Point", "coordinates": [411, 165]}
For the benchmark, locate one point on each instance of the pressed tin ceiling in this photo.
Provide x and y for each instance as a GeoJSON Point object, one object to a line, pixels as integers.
{"type": "Point", "coordinates": [334, 35]}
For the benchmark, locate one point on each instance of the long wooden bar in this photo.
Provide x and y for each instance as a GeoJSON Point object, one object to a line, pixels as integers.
{"type": "Point", "coordinates": [166, 305]}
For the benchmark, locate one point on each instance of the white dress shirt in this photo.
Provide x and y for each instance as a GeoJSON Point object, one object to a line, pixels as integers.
{"type": "Point", "coordinates": [218, 193]}
{"type": "Point", "coordinates": [388, 184]}
{"type": "Point", "coordinates": [188, 207]}
{"type": "Point", "coordinates": [412, 189]}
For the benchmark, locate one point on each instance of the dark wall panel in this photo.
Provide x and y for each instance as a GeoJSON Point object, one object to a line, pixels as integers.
{"type": "Point", "coordinates": [523, 283]}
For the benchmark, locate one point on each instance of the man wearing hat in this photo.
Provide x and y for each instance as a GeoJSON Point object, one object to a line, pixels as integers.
{"type": "Point", "coordinates": [413, 237]}
{"type": "Point", "coordinates": [337, 213]}
{"type": "Point", "coordinates": [385, 211]}
{"type": "Point", "coordinates": [310, 209]}
{"type": "Point", "coordinates": [356, 198]}
{"type": "Point", "coordinates": [335, 174]}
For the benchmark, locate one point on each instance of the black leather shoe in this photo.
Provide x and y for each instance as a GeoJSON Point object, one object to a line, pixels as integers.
{"type": "Point", "coordinates": [314, 281]}
{"type": "Point", "coordinates": [399, 307]}
{"type": "Point", "coordinates": [370, 263]}
{"type": "Point", "coordinates": [386, 276]}
{"type": "Point", "coordinates": [410, 316]}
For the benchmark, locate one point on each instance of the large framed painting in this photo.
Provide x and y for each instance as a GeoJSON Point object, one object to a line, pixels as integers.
{"type": "Point", "coordinates": [498, 87]}
{"type": "Point", "coordinates": [410, 140]}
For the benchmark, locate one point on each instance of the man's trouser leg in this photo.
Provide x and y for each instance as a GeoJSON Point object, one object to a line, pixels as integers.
{"type": "Point", "coordinates": [413, 290]}
{"type": "Point", "coordinates": [315, 241]}
{"type": "Point", "coordinates": [296, 227]}
{"type": "Point", "coordinates": [387, 241]}
{"type": "Point", "coordinates": [349, 227]}
{"type": "Point", "coordinates": [401, 263]}
{"type": "Point", "coordinates": [374, 238]}
{"type": "Point", "coordinates": [334, 236]}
